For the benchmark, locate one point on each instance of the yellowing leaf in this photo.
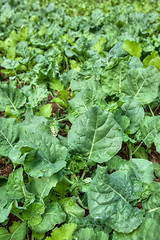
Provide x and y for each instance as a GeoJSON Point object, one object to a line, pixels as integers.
{"type": "Point", "coordinates": [152, 59]}
{"type": "Point", "coordinates": [133, 48]}
{"type": "Point", "coordinates": [64, 233]}
{"type": "Point", "coordinates": [45, 111]}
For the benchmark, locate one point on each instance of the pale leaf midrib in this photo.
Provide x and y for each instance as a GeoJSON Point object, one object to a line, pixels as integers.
{"type": "Point", "coordinates": [94, 136]}
{"type": "Point", "coordinates": [6, 138]}
{"type": "Point", "coordinates": [117, 193]}
{"type": "Point", "coordinates": [11, 102]}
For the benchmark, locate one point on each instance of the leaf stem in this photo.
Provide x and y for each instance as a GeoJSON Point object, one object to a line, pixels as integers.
{"type": "Point", "coordinates": [157, 108]}
{"type": "Point", "coordinates": [151, 110]}
{"type": "Point", "coordinates": [60, 120]}
{"type": "Point", "coordinates": [137, 148]}
{"type": "Point", "coordinates": [67, 180]}
{"type": "Point", "coordinates": [81, 204]}
{"type": "Point", "coordinates": [83, 174]}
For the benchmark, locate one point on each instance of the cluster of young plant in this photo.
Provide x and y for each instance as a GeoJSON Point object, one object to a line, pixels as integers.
{"type": "Point", "coordinates": [101, 68]}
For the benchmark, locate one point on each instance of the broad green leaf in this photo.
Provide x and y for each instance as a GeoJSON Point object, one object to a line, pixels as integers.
{"type": "Point", "coordinates": [16, 189]}
{"type": "Point", "coordinates": [109, 200]}
{"type": "Point", "coordinates": [4, 234]}
{"type": "Point", "coordinates": [152, 205]}
{"type": "Point", "coordinates": [40, 153]}
{"type": "Point", "coordinates": [114, 78]}
{"type": "Point", "coordinates": [133, 48]}
{"type": "Point", "coordinates": [99, 45]}
{"type": "Point", "coordinates": [34, 213]}
{"type": "Point", "coordinates": [15, 185]}
{"type": "Point", "coordinates": [143, 169]}
{"type": "Point", "coordinates": [13, 227]}
{"type": "Point", "coordinates": [115, 55]}
{"type": "Point", "coordinates": [42, 186]}
{"type": "Point", "coordinates": [37, 94]}
{"type": "Point", "coordinates": [86, 99]}
{"type": "Point", "coordinates": [148, 230]}
{"type": "Point", "coordinates": [87, 233]}
{"type": "Point", "coordinates": [12, 97]}
{"type": "Point", "coordinates": [140, 83]}
{"type": "Point", "coordinates": [152, 59]}
{"type": "Point", "coordinates": [38, 236]}
{"type": "Point", "coordinates": [95, 134]}
{"type": "Point", "coordinates": [10, 64]}
{"type": "Point", "coordinates": [22, 50]}
{"type": "Point", "coordinates": [115, 163]}
{"type": "Point", "coordinates": [149, 129]}
{"type": "Point", "coordinates": [53, 215]}
{"type": "Point", "coordinates": [45, 111]}
{"type": "Point", "coordinates": [65, 232]}
{"type": "Point", "coordinates": [9, 134]}
{"type": "Point", "coordinates": [19, 232]}
{"type": "Point", "coordinates": [72, 208]}
{"type": "Point", "coordinates": [97, 17]}
{"type": "Point", "coordinates": [4, 212]}
{"type": "Point", "coordinates": [133, 109]}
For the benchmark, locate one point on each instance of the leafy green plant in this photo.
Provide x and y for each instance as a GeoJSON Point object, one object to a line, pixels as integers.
{"type": "Point", "coordinates": [79, 106]}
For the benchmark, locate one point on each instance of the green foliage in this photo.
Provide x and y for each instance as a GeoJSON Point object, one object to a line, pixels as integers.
{"type": "Point", "coordinates": [79, 98]}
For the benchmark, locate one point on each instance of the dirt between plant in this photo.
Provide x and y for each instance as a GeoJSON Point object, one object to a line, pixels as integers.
{"type": "Point", "coordinates": [5, 167]}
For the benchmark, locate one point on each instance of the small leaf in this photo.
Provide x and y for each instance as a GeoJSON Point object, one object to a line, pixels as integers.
{"type": "Point", "coordinates": [45, 111]}
{"type": "Point", "coordinates": [33, 213]}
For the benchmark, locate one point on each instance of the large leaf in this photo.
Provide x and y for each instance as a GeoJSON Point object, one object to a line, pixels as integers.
{"type": "Point", "coordinates": [152, 205]}
{"type": "Point", "coordinates": [15, 185]}
{"type": "Point", "coordinates": [72, 208]}
{"type": "Point", "coordinates": [8, 135]}
{"type": "Point", "coordinates": [65, 232]}
{"type": "Point", "coordinates": [86, 99]}
{"type": "Point", "coordinates": [36, 95]}
{"type": "Point", "coordinates": [148, 230]}
{"type": "Point", "coordinates": [11, 97]}
{"type": "Point", "coordinates": [133, 109]}
{"type": "Point", "coordinates": [52, 216]}
{"type": "Point", "coordinates": [133, 48]}
{"type": "Point", "coordinates": [96, 134]}
{"type": "Point", "coordinates": [142, 84]}
{"type": "Point", "coordinates": [5, 204]}
{"type": "Point", "coordinates": [149, 129]}
{"type": "Point", "coordinates": [143, 169]}
{"type": "Point", "coordinates": [42, 186]}
{"type": "Point", "coordinates": [4, 212]}
{"type": "Point", "coordinates": [132, 80]}
{"type": "Point", "coordinates": [19, 232]}
{"type": "Point", "coordinates": [40, 153]}
{"type": "Point", "coordinates": [109, 199]}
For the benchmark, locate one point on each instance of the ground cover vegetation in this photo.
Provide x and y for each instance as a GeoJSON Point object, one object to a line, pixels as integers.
{"type": "Point", "coordinates": [80, 124]}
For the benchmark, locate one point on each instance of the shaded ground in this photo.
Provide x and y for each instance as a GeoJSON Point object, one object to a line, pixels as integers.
{"type": "Point", "coordinates": [6, 167]}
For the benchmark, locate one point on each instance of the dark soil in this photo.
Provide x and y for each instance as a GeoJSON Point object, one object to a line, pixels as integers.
{"type": "Point", "coordinates": [124, 152]}
{"type": "Point", "coordinates": [154, 156]}
{"type": "Point", "coordinates": [2, 114]}
{"type": "Point", "coordinates": [6, 167]}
